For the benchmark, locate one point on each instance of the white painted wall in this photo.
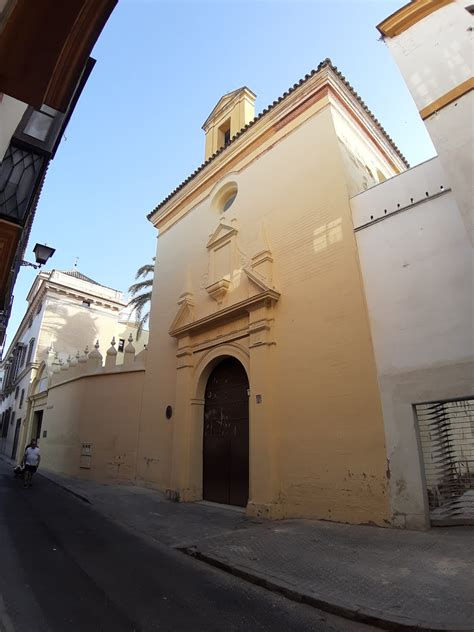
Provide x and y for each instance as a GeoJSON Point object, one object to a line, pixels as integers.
{"type": "Point", "coordinates": [452, 132]}
{"type": "Point", "coordinates": [11, 111]}
{"type": "Point", "coordinates": [416, 263]}
{"type": "Point", "coordinates": [29, 330]}
{"type": "Point", "coordinates": [435, 56]}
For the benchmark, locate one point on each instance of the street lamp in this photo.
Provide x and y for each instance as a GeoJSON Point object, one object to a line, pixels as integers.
{"type": "Point", "coordinates": [42, 254]}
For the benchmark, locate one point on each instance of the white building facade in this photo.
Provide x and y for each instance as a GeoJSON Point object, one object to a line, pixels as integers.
{"type": "Point", "coordinates": [416, 262]}
{"type": "Point", "coordinates": [431, 42]}
{"type": "Point", "coordinates": [414, 235]}
{"type": "Point", "coordinates": [66, 313]}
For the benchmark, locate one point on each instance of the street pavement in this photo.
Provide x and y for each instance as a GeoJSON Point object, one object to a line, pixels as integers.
{"type": "Point", "coordinates": [67, 567]}
{"type": "Point", "coordinates": [389, 577]}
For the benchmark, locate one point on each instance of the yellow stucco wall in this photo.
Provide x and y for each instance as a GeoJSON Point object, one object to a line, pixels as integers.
{"type": "Point", "coordinates": [100, 410]}
{"type": "Point", "coordinates": [317, 438]}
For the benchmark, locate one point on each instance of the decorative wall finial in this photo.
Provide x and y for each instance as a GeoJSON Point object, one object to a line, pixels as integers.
{"type": "Point", "coordinates": [112, 351]}
{"type": "Point", "coordinates": [83, 358]}
{"type": "Point", "coordinates": [95, 353]}
{"type": "Point", "coordinates": [130, 348]}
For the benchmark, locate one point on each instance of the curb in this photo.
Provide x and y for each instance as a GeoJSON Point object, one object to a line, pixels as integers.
{"type": "Point", "coordinates": [361, 615]}
{"type": "Point", "coordinates": [67, 489]}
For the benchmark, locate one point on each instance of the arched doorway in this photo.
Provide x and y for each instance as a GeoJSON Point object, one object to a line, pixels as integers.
{"type": "Point", "coordinates": [226, 435]}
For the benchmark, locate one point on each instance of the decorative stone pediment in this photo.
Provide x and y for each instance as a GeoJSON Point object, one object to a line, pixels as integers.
{"type": "Point", "coordinates": [257, 279]}
{"type": "Point", "coordinates": [224, 259]}
{"type": "Point", "coordinates": [222, 233]}
{"type": "Point", "coordinates": [184, 316]}
{"type": "Point", "coordinates": [247, 284]}
{"type": "Point", "coordinates": [264, 300]}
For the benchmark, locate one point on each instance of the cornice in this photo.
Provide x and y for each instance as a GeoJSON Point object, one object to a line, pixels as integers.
{"type": "Point", "coordinates": [225, 314]}
{"type": "Point", "coordinates": [85, 376]}
{"type": "Point", "coordinates": [79, 293]}
{"type": "Point", "coordinates": [409, 15]}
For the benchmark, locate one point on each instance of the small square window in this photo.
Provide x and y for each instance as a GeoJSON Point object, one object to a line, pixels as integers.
{"type": "Point", "coordinates": [17, 390]}
{"type": "Point", "coordinates": [121, 344]}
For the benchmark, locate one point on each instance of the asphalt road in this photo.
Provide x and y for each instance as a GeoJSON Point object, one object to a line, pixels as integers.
{"type": "Point", "coordinates": [65, 568]}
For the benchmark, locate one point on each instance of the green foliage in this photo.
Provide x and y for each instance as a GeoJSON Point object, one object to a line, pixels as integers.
{"type": "Point", "coordinates": [141, 295]}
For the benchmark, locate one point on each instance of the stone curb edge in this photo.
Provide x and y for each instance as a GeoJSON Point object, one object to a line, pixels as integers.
{"type": "Point", "coordinates": [67, 489]}
{"type": "Point", "coordinates": [361, 615]}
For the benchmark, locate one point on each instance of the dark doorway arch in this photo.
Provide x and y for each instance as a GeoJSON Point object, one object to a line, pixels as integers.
{"type": "Point", "coordinates": [226, 435]}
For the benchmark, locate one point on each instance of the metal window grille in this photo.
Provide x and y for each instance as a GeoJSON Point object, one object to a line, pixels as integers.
{"type": "Point", "coordinates": [447, 441]}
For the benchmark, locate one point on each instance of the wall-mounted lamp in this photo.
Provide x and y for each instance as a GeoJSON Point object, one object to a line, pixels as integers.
{"type": "Point", "coordinates": [42, 254]}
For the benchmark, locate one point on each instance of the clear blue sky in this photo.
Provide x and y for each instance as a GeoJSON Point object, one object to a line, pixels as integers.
{"type": "Point", "coordinates": [161, 67]}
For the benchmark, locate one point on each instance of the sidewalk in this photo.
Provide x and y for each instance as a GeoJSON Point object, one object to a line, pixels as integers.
{"type": "Point", "coordinates": [391, 578]}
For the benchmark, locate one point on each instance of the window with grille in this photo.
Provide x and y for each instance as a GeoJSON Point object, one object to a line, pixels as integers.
{"type": "Point", "coordinates": [447, 442]}
{"type": "Point", "coordinates": [30, 350]}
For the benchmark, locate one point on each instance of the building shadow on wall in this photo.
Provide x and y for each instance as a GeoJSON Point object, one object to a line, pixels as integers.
{"type": "Point", "coordinates": [70, 334]}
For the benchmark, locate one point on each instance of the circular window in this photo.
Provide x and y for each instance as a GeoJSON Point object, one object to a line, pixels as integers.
{"type": "Point", "coordinates": [229, 201]}
{"type": "Point", "coordinates": [225, 197]}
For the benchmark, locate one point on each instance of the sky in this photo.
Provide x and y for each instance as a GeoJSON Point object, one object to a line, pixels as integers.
{"type": "Point", "coordinates": [161, 67]}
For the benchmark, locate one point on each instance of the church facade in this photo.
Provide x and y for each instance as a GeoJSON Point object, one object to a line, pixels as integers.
{"type": "Point", "coordinates": [261, 385]}
{"type": "Point", "coordinates": [311, 350]}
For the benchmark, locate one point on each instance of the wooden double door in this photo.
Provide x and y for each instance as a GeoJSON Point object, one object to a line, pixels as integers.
{"type": "Point", "coordinates": [226, 435]}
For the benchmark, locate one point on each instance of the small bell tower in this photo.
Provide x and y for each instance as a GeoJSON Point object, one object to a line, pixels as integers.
{"type": "Point", "coordinates": [232, 112]}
